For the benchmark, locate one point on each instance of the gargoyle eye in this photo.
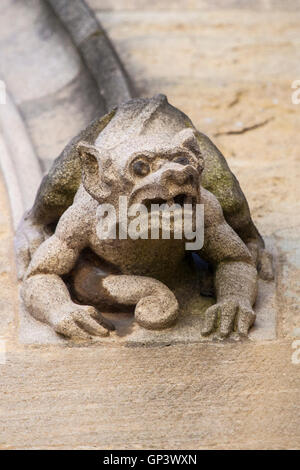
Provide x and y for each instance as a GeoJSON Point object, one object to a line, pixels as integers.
{"type": "Point", "coordinates": [182, 160]}
{"type": "Point", "coordinates": [141, 168]}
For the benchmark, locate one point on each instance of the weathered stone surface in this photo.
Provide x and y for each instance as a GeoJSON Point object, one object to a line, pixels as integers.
{"type": "Point", "coordinates": [46, 77]}
{"type": "Point", "coordinates": [77, 18]}
{"type": "Point", "coordinates": [288, 241]}
{"type": "Point", "coordinates": [8, 300]}
{"type": "Point", "coordinates": [14, 192]}
{"type": "Point", "coordinates": [96, 49]}
{"type": "Point", "coordinates": [205, 396]}
{"type": "Point", "coordinates": [38, 58]}
{"type": "Point", "coordinates": [212, 395]}
{"type": "Point", "coordinates": [191, 5]}
{"type": "Point", "coordinates": [53, 120]}
{"type": "Point", "coordinates": [19, 162]}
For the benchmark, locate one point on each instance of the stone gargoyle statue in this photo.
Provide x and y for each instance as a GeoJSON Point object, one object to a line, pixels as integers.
{"type": "Point", "coordinates": [149, 152]}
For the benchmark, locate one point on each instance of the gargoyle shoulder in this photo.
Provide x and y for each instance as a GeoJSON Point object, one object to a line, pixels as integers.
{"type": "Point", "coordinates": [78, 220]}
{"type": "Point", "coordinates": [213, 214]}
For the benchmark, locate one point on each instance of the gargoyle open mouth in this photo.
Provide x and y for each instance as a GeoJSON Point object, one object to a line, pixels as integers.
{"type": "Point", "coordinates": [179, 199]}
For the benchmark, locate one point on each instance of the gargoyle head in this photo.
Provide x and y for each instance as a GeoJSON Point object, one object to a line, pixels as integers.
{"type": "Point", "coordinates": [148, 152]}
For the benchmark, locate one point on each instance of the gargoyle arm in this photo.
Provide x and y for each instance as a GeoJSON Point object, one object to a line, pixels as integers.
{"type": "Point", "coordinates": [235, 272]}
{"type": "Point", "coordinates": [58, 254]}
{"type": "Point", "coordinates": [44, 293]}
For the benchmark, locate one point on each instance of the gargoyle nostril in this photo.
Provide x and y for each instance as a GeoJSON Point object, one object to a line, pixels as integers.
{"type": "Point", "coordinates": [184, 178]}
{"type": "Point", "coordinates": [180, 199]}
{"type": "Point", "coordinates": [191, 179]}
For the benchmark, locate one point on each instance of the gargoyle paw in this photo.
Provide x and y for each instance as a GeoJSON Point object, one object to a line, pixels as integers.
{"type": "Point", "coordinates": [82, 322]}
{"type": "Point", "coordinates": [228, 315]}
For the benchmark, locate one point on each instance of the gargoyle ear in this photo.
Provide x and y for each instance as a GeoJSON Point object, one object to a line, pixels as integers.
{"type": "Point", "coordinates": [187, 138]}
{"type": "Point", "coordinates": [91, 174]}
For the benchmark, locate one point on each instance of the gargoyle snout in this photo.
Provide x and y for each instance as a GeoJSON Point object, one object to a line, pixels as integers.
{"type": "Point", "coordinates": [180, 176]}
